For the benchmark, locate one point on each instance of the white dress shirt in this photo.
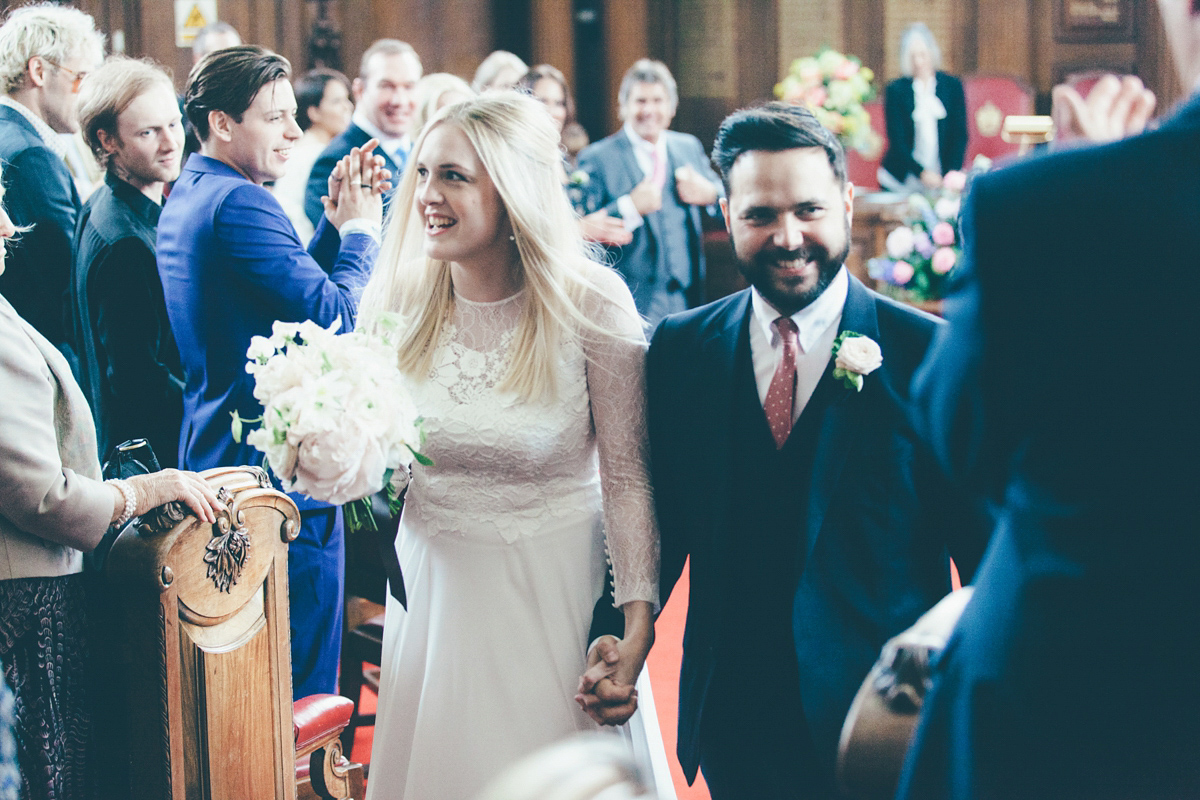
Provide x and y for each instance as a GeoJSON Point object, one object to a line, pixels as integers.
{"type": "Point", "coordinates": [817, 323]}
{"type": "Point", "coordinates": [643, 152]}
{"type": "Point", "coordinates": [397, 147]}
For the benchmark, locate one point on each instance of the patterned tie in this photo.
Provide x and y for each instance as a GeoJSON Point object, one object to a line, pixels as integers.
{"type": "Point", "coordinates": [781, 396]}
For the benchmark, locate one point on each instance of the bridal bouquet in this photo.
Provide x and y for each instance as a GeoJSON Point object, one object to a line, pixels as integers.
{"type": "Point", "coordinates": [834, 87]}
{"type": "Point", "coordinates": [338, 423]}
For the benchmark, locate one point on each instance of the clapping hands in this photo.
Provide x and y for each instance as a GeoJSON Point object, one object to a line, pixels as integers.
{"type": "Point", "coordinates": [356, 186]}
{"type": "Point", "coordinates": [1114, 108]}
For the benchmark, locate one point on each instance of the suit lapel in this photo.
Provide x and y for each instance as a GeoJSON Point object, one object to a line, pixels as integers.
{"type": "Point", "coordinates": [841, 410]}
{"type": "Point", "coordinates": [720, 352]}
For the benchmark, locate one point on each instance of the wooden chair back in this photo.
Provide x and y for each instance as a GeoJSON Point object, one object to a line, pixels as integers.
{"type": "Point", "coordinates": [206, 661]}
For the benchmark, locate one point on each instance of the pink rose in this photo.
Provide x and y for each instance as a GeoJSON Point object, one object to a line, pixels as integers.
{"type": "Point", "coordinates": [944, 260]}
{"type": "Point", "coordinates": [954, 180]}
{"type": "Point", "coordinates": [943, 234]}
{"type": "Point", "coordinates": [846, 70]}
{"type": "Point", "coordinates": [816, 96]}
{"type": "Point", "coordinates": [902, 273]}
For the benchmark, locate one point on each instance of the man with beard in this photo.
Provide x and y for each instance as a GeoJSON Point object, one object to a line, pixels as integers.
{"type": "Point", "coordinates": [128, 358]}
{"type": "Point", "coordinates": [783, 467]}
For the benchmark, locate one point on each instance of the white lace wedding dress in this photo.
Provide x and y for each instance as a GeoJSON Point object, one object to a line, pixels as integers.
{"type": "Point", "coordinates": [502, 543]}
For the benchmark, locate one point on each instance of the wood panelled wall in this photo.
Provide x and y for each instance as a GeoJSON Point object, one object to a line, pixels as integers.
{"type": "Point", "coordinates": [725, 53]}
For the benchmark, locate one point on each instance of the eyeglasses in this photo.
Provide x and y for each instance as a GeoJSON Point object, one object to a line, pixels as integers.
{"type": "Point", "coordinates": [76, 77]}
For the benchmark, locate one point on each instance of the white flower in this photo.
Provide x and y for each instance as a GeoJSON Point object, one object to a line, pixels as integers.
{"type": "Point", "coordinates": [339, 465]}
{"type": "Point", "coordinates": [947, 207]}
{"type": "Point", "coordinates": [900, 242]}
{"type": "Point", "coordinates": [859, 354]}
{"type": "Point", "coordinates": [260, 350]}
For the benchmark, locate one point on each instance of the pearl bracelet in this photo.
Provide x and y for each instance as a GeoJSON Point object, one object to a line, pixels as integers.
{"type": "Point", "coordinates": [130, 502]}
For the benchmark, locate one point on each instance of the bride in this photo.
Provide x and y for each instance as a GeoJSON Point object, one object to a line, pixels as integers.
{"type": "Point", "coordinates": [526, 358]}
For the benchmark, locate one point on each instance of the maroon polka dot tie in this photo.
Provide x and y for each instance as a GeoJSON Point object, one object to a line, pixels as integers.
{"type": "Point", "coordinates": [781, 396]}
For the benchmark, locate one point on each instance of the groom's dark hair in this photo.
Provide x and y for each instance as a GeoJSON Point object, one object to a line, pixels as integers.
{"type": "Point", "coordinates": [228, 80]}
{"type": "Point", "coordinates": [774, 127]}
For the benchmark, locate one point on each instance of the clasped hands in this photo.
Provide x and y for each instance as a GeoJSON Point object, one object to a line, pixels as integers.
{"type": "Point", "coordinates": [607, 690]}
{"type": "Point", "coordinates": [356, 186]}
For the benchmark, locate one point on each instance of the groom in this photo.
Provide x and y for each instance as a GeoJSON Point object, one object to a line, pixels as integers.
{"type": "Point", "coordinates": [816, 527]}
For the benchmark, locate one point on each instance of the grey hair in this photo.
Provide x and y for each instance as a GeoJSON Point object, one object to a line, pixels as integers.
{"type": "Point", "coordinates": [918, 32]}
{"type": "Point", "coordinates": [646, 70]}
{"type": "Point", "coordinates": [53, 32]}
{"type": "Point", "coordinates": [200, 43]}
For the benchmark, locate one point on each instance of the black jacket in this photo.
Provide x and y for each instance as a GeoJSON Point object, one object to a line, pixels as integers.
{"type": "Point", "coordinates": [898, 105]}
{"type": "Point", "coordinates": [128, 358]}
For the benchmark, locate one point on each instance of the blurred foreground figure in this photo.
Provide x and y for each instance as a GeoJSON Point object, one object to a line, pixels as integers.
{"type": "Point", "coordinates": [1072, 671]}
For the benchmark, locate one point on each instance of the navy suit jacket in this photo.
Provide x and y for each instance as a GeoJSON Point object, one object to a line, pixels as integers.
{"type": "Point", "coordinates": [1072, 670]}
{"type": "Point", "coordinates": [898, 105]}
{"type": "Point", "coordinates": [613, 171]}
{"type": "Point", "coordinates": [39, 191]}
{"type": "Point", "coordinates": [878, 523]}
{"type": "Point", "coordinates": [318, 178]}
{"type": "Point", "coordinates": [231, 264]}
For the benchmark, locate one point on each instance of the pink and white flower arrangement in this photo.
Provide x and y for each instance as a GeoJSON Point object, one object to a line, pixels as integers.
{"type": "Point", "coordinates": [338, 422]}
{"type": "Point", "coordinates": [834, 87]}
{"type": "Point", "coordinates": [920, 256]}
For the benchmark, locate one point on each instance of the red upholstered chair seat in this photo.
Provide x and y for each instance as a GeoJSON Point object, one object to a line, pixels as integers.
{"type": "Point", "coordinates": [863, 170]}
{"type": "Point", "coordinates": [991, 98]}
{"type": "Point", "coordinates": [317, 716]}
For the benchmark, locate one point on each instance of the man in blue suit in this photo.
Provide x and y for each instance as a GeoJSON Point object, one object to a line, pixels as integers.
{"type": "Point", "coordinates": [1072, 672]}
{"type": "Point", "coordinates": [47, 51]}
{"type": "Point", "coordinates": [660, 184]}
{"type": "Point", "coordinates": [231, 265]}
{"type": "Point", "coordinates": [816, 527]}
{"type": "Point", "coordinates": [385, 100]}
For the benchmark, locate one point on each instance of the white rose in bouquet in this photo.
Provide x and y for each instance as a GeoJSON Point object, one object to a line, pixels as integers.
{"type": "Point", "coordinates": [338, 424]}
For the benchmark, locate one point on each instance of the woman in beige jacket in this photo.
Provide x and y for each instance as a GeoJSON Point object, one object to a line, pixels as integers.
{"type": "Point", "coordinates": [53, 508]}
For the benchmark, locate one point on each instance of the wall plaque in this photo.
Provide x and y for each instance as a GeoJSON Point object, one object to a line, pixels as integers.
{"type": "Point", "coordinates": [1091, 21]}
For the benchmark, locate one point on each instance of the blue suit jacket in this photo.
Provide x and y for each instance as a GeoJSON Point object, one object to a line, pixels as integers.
{"type": "Point", "coordinates": [878, 518]}
{"type": "Point", "coordinates": [613, 171]}
{"type": "Point", "coordinates": [1072, 671]}
{"type": "Point", "coordinates": [231, 264]}
{"type": "Point", "coordinates": [318, 178]}
{"type": "Point", "coordinates": [39, 191]}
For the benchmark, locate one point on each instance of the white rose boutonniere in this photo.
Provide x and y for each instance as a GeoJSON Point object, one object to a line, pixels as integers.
{"type": "Point", "coordinates": [854, 356]}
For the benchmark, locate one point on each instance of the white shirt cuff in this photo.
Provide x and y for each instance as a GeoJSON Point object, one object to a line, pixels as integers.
{"type": "Point", "coordinates": [361, 225]}
{"type": "Point", "coordinates": [629, 213]}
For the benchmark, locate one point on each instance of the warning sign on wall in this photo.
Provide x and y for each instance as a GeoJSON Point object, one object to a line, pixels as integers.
{"type": "Point", "coordinates": [190, 17]}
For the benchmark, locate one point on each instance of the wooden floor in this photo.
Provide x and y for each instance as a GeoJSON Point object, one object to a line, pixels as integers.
{"type": "Point", "coordinates": [663, 666]}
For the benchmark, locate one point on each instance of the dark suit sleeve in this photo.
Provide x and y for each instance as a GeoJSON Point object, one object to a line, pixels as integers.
{"type": "Point", "coordinates": [40, 193]}
{"type": "Point", "coordinates": [318, 186]}
{"type": "Point", "coordinates": [126, 299]}
{"type": "Point", "coordinates": [263, 249]}
{"type": "Point", "coordinates": [953, 149]}
{"type": "Point", "coordinates": [661, 410]}
{"type": "Point", "coordinates": [950, 402]}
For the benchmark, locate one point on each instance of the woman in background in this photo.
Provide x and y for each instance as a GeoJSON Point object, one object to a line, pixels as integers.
{"type": "Point", "coordinates": [499, 71]}
{"type": "Point", "coordinates": [548, 86]}
{"type": "Point", "coordinates": [53, 508]}
{"type": "Point", "coordinates": [434, 92]}
{"type": "Point", "coordinates": [926, 113]}
{"type": "Point", "coordinates": [526, 358]}
{"type": "Point", "coordinates": [323, 109]}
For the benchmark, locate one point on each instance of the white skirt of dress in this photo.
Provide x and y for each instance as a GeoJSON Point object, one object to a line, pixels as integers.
{"type": "Point", "coordinates": [483, 668]}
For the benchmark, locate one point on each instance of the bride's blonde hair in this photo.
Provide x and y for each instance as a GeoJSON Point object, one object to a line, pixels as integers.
{"type": "Point", "coordinates": [517, 143]}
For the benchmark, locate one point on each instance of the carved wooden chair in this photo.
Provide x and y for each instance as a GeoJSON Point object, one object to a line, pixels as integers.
{"type": "Point", "coordinates": [206, 660]}
{"type": "Point", "coordinates": [991, 98]}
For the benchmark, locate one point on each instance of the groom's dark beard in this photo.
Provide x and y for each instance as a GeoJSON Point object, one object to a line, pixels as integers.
{"type": "Point", "coordinates": [784, 298]}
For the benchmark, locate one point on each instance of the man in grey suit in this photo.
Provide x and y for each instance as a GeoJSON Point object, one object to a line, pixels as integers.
{"type": "Point", "coordinates": [660, 183]}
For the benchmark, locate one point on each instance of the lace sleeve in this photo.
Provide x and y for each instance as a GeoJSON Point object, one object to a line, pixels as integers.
{"type": "Point", "coordinates": [616, 378]}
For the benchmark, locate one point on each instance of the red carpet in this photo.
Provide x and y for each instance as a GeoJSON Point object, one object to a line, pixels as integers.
{"type": "Point", "coordinates": [664, 677]}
